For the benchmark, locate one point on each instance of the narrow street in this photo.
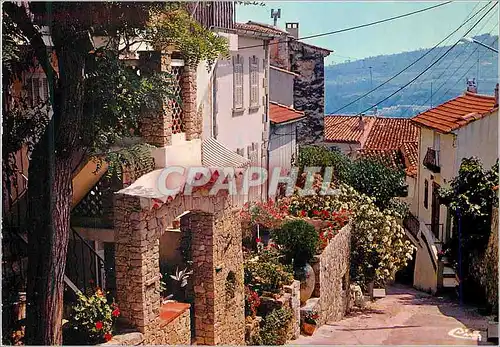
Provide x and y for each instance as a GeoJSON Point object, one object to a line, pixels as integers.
{"type": "Point", "coordinates": [404, 317]}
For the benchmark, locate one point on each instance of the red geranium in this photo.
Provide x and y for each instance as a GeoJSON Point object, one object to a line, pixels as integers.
{"type": "Point", "coordinates": [116, 312]}
{"type": "Point", "coordinates": [98, 325]}
{"type": "Point", "coordinates": [108, 336]}
{"type": "Point", "coordinates": [258, 240]}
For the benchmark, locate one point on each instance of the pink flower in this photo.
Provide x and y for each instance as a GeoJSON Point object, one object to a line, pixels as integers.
{"type": "Point", "coordinates": [116, 312]}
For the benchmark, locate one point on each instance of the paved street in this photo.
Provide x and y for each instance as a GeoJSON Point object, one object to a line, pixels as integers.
{"type": "Point", "coordinates": [404, 317]}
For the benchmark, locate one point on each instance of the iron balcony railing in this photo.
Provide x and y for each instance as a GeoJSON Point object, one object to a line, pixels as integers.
{"type": "Point", "coordinates": [432, 160]}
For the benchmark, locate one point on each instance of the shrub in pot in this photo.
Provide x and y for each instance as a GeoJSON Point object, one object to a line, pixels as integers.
{"type": "Point", "coordinates": [310, 322]}
{"type": "Point", "coordinates": [299, 242]}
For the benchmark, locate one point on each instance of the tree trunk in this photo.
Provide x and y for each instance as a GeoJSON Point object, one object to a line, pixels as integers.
{"type": "Point", "coordinates": [50, 195]}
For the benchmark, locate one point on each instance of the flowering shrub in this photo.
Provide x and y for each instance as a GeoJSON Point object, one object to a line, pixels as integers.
{"type": "Point", "coordinates": [252, 302]}
{"type": "Point", "coordinates": [269, 276]}
{"type": "Point", "coordinates": [92, 319]}
{"type": "Point", "coordinates": [379, 244]}
{"type": "Point", "coordinates": [299, 240]}
{"type": "Point", "coordinates": [267, 214]}
{"type": "Point", "coordinates": [311, 317]}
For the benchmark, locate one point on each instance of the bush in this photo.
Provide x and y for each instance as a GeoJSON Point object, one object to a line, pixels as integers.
{"type": "Point", "coordinates": [276, 327]}
{"type": "Point", "coordinates": [310, 156]}
{"type": "Point", "coordinates": [299, 240]}
{"type": "Point", "coordinates": [376, 179]}
{"type": "Point", "coordinates": [91, 321]}
{"type": "Point", "coordinates": [267, 276]}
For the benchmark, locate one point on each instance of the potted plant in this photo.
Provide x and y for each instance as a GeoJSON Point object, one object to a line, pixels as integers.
{"type": "Point", "coordinates": [299, 241]}
{"type": "Point", "coordinates": [310, 322]}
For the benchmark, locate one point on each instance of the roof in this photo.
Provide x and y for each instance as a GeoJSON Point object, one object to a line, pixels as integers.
{"type": "Point", "coordinates": [280, 114]}
{"type": "Point", "coordinates": [345, 128]}
{"type": "Point", "coordinates": [410, 154]}
{"type": "Point", "coordinates": [283, 70]}
{"type": "Point", "coordinates": [391, 133]}
{"type": "Point", "coordinates": [270, 29]}
{"type": "Point", "coordinates": [456, 112]}
{"type": "Point", "coordinates": [392, 157]}
{"type": "Point", "coordinates": [257, 29]}
{"type": "Point", "coordinates": [215, 155]}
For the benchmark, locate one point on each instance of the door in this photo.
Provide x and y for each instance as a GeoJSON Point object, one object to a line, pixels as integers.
{"type": "Point", "coordinates": [435, 211]}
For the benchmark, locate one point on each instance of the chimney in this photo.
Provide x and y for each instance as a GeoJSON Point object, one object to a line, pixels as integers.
{"type": "Point", "coordinates": [293, 29]}
{"type": "Point", "coordinates": [361, 124]}
{"type": "Point", "coordinates": [496, 95]}
{"type": "Point", "coordinates": [471, 86]}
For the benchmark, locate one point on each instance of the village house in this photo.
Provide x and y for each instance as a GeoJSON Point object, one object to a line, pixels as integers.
{"type": "Point", "coordinates": [462, 127]}
{"type": "Point", "coordinates": [307, 61]}
{"type": "Point", "coordinates": [395, 140]}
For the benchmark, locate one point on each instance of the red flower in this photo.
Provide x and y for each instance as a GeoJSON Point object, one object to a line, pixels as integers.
{"type": "Point", "coordinates": [303, 213]}
{"type": "Point", "coordinates": [116, 312]}
{"type": "Point", "coordinates": [258, 240]}
{"type": "Point", "coordinates": [98, 325]}
{"type": "Point", "coordinates": [108, 336]}
{"type": "Point", "coordinates": [315, 212]}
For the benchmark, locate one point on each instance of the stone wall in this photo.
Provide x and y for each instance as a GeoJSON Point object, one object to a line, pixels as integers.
{"type": "Point", "coordinates": [156, 125]}
{"type": "Point", "coordinates": [217, 265]}
{"type": "Point", "coordinates": [331, 269]}
{"type": "Point", "coordinates": [192, 117]}
{"type": "Point", "coordinates": [309, 90]}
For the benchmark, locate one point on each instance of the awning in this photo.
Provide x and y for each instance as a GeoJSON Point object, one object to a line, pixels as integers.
{"type": "Point", "coordinates": [215, 155]}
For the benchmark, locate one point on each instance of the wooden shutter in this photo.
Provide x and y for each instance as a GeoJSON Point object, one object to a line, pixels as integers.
{"type": "Point", "coordinates": [237, 82]}
{"type": "Point", "coordinates": [254, 81]}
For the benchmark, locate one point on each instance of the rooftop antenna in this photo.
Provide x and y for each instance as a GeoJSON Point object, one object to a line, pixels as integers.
{"type": "Point", "coordinates": [275, 15]}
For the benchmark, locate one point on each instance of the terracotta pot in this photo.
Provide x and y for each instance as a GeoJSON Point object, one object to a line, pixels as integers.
{"type": "Point", "coordinates": [176, 224]}
{"type": "Point", "coordinates": [308, 328]}
{"type": "Point", "coordinates": [307, 284]}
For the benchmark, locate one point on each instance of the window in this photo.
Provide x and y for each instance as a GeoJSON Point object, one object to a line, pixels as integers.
{"type": "Point", "coordinates": [238, 82]}
{"type": "Point", "coordinates": [254, 81]}
{"type": "Point", "coordinates": [426, 194]}
{"type": "Point", "coordinates": [37, 89]}
{"type": "Point", "coordinates": [436, 141]}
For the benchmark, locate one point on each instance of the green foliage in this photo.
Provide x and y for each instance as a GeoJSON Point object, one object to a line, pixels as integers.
{"type": "Point", "coordinates": [175, 27]}
{"type": "Point", "coordinates": [317, 156]}
{"type": "Point", "coordinates": [299, 240]}
{"type": "Point", "coordinates": [92, 320]}
{"type": "Point", "coordinates": [276, 326]}
{"type": "Point", "coordinates": [471, 196]}
{"type": "Point", "coordinates": [263, 275]}
{"type": "Point", "coordinates": [376, 179]}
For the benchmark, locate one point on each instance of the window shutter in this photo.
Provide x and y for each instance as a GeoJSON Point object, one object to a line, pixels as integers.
{"type": "Point", "coordinates": [45, 89]}
{"type": "Point", "coordinates": [238, 82]}
{"type": "Point", "coordinates": [254, 81]}
{"type": "Point", "coordinates": [29, 89]}
{"type": "Point", "coordinates": [36, 91]}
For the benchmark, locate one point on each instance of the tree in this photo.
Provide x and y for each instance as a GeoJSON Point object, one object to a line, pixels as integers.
{"type": "Point", "coordinates": [377, 179]}
{"type": "Point", "coordinates": [95, 99]}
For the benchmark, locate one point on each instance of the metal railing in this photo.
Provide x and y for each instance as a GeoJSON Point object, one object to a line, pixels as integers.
{"type": "Point", "coordinates": [84, 266]}
{"type": "Point", "coordinates": [437, 230]}
{"type": "Point", "coordinates": [431, 160]}
{"type": "Point", "coordinates": [412, 224]}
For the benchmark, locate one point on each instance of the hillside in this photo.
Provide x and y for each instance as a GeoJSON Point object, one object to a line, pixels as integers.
{"type": "Point", "coordinates": [346, 81]}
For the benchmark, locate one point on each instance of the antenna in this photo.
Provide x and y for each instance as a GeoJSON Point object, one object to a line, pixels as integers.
{"type": "Point", "coordinates": [275, 15]}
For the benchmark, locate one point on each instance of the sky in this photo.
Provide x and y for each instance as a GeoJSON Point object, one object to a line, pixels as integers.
{"type": "Point", "coordinates": [422, 30]}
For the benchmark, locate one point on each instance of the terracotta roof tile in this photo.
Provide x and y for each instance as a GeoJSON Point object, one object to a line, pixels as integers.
{"type": "Point", "coordinates": [391, 157]}
{"type": "Point", "coordinates": [391, 133]}
{"type": "Point", "coordinates": [258, 29]}
{"type": "Point", "coordinates": [345, 128]}
{"type": "Point", "coordinates": [456, 112]}
{"type": "Point", "coordinates": [410, 155]}
{"type": "Point", "coordinates": [281, 114]}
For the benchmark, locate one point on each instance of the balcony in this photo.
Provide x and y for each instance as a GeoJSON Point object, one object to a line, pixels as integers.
{"type": "Point", "coordinates": [431, 160]}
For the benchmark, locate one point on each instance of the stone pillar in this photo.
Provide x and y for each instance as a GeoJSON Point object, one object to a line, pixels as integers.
{"type": "Point", "coordinates": [192, 118]}
{"type": "Point", "coordinates": [137, 262]}
{"type": "Point", "coordinates": [156, 125]}
{"type": "Point", "coordinates": [218, 278]}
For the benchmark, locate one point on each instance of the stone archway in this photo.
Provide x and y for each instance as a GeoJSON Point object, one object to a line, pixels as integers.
{"type": "Point", "coordinates": [216, 252]}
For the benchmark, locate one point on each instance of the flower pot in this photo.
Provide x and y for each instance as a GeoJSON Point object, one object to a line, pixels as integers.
{"type": "Point", "coordinates": [378, 293]}
{"type": "Point", "coordinates": [308, 328]}
{"type": "Point", "coordinates": [307, 282]}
